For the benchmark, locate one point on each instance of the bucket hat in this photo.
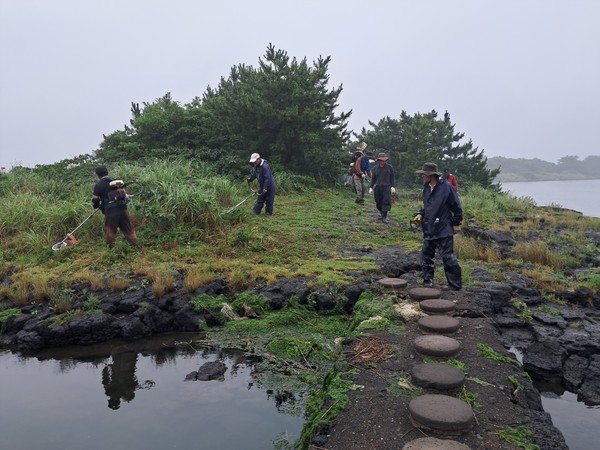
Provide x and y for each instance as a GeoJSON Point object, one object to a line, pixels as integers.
{"type": "Point", "coordinates": [429, 169]}
{"type": "Point", "coordinates": [383, 157]}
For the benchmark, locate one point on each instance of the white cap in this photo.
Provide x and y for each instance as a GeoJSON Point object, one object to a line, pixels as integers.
{"type": "Point", "coordinates": [254, 157]}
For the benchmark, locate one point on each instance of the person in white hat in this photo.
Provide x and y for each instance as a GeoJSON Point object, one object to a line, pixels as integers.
{"type": "Point", "coordinates": [266, 184]}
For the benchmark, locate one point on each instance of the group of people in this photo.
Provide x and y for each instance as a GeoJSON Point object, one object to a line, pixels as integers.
{"type": "Point", "coordinates": [116, 215]}
{"type": "Point", "coordinates": [440, 217]}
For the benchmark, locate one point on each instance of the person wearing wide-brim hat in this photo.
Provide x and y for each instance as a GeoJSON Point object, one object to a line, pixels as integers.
{"type": "Point", "coordinates": [382, 186]}
{"type": "Point", "coordinates": [440, 219]}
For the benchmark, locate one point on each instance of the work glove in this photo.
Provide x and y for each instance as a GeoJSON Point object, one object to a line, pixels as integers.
{"type": "Point", "coordinates": [417, 218]}
{"type": "Point", "coordinates": [456, 229]}
{"type": "Point", "coordinates": [393, 190]}
{"type": "Point", "coordinates": [370, 190]}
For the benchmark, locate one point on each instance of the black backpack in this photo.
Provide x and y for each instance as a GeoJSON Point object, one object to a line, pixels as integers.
{"type": "Point", "coordinates": [117, 195]}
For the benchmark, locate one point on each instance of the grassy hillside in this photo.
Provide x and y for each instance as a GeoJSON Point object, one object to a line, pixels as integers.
{"type": "Point", "coordinates": [188, 239]}
{"type": "Point", "coordinates": [183, 226]}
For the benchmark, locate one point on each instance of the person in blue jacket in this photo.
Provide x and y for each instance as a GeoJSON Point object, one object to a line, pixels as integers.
{"type": "Point", "coordinates": [440, 220]}
{"type": "Point", "coordinates": [266, 184]}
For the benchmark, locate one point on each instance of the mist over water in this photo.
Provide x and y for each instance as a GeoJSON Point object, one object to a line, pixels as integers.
{"type": "Point", "coordinates": [579, 195]}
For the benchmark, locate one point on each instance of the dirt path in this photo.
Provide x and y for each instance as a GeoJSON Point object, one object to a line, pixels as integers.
{"type": "Point", "coordinates": [377, 416]}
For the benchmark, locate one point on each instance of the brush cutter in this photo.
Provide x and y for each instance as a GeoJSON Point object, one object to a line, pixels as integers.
{"type": "Point", "coordinates": [69, 238]}
{"type": "Point", "coordinates": [134, 188]}
{"type": "Point", "coordinates": [240, 203]}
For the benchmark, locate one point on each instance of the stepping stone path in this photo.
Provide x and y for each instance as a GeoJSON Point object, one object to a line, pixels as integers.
{"type": "Point", "coordinates": [430, 443]}
{"type": "Point", "coordinates": [437, 306]}
{"type": "Point", "coordinates": [437, 346]}
{"type": "Point", "coordinates": [394, 283]}
{"type": "Point", "coordinates": [424, 293]}
{"type": "Point", "coordinates": [437, 376]}
{"type": "Point", "coordinates": [436, 412]}
{"type": "Point", "coordinates": [439, 324]}
{"type": "Point", "coordinates": [441, 413]}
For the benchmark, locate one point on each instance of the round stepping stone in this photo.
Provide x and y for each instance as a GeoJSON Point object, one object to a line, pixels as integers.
{"type": "Point", "coordinates": [430, 443]}
{"type": "Point", "coordinates": [441, 413]}
{"type": "Point", "coordinates": [437, 345]}
{"type": "Point", "coordinates": [424, 293]}
{"type": "Point", "coordinates": [437, 306]}
{"type": "Point", "coordinates": [437, 376]}
{"type": "Point", "coordinates": [396, 283]}
{"type": "Point", "coordinates": [439, 324]}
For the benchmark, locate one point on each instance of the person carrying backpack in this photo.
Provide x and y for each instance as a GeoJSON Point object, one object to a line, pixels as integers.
{"type": "Point", "coordinates": [111, 199]}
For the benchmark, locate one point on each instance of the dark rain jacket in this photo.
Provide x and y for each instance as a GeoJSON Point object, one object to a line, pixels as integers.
{"type": "Point", "coordinates": [441, 210]}
{"type": "Point", "coordinates": [383, 176]}
{"type": "Point", "coordinates": [263, 173]}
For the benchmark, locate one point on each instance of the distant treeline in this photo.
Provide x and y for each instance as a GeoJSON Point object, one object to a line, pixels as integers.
{"type": "Point", "coordinates": [567, 168]}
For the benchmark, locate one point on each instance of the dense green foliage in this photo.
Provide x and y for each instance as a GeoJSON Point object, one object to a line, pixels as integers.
{"type": "Point", "coordinates": [413, 140]}
{"type": "Point", "coordinates": [567, 168]}
{"type": "Point", "coordinates": [283, 110]}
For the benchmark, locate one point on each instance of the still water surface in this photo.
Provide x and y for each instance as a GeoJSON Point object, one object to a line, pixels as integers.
{"type": "Point", "coordinates": [125, 396]}
{"type": "Point", "coordinates": [580, 195]}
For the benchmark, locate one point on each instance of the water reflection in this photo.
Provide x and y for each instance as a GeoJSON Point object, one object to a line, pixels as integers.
{"type": "Point", "coordinates": [119, 379]}
{"type": "Point", "coordinates": [149, 403]}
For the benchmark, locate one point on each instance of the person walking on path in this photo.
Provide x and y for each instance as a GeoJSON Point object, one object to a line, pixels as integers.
{"type": "Point", "coordinates": [114, 209]}
{"type": "Point", "coordinates": [382, 185]}
{"type": "Point", "coordinates": [358, 176]}
{"type": "Point", "coordinates": [266, 184]}
{"type": "Point", "coordinates": [450, 178]}
{"type": "Point", "coordinates": [440, 219]}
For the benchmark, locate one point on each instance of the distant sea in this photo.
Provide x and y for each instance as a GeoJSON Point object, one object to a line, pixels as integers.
{"type": "Point", "coordinates": [579, 195]}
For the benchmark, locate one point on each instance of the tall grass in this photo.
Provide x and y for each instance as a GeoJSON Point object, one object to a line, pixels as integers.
{"type": "Point", "coordinates": [488, 207]}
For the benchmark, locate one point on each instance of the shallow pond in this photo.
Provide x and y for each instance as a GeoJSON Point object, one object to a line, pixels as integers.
{"type": "Point", "coordinates": [577, 422]}
{"type": "Point", "coordinates": [135, 395]}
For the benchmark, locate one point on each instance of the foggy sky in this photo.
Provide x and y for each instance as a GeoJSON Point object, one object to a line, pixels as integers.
{"type": "Point", "coordinates": [519, 77]}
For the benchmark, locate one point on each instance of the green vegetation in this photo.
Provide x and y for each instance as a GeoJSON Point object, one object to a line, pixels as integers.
{"type": "Point", "coordinates": [324, 405]}
{"type": "Point", "coordinates": [4, 315]}
{"type": "Point", "coordinates": [471, 398]}
{"type": "Point", "coordinates": [479, 381]}
{"type": "Point", "coordinates": [490, 353]}
{"type": "Point", "coordinates": [411, 140]}
{"type": "Point", "coordinates": [524, 312]}
{"type": "Point", "coordinates": [192, 160]}
{"type": "Point", "coordinates": [516, 384]}
{"type": "Point", "coordinates": [547, 310]}
{"type": "Point", "coordinates": [402, 387]}
{"type": "Point", "coordinates": [520, 436]}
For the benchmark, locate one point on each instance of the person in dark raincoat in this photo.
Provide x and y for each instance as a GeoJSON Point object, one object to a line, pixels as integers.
{"type": "Point", "coordinates": [440, 220]}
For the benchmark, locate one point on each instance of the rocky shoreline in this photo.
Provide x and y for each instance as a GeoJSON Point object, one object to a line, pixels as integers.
{"type": "Point", "coordinates": [560, 344]}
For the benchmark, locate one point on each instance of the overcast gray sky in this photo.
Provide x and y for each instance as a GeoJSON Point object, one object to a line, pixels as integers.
{"type": "Point", "coordinates": [521, 78]}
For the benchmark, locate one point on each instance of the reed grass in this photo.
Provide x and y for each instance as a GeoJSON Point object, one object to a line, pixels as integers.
{"type": "Point", "coordinates": [118, 283]}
